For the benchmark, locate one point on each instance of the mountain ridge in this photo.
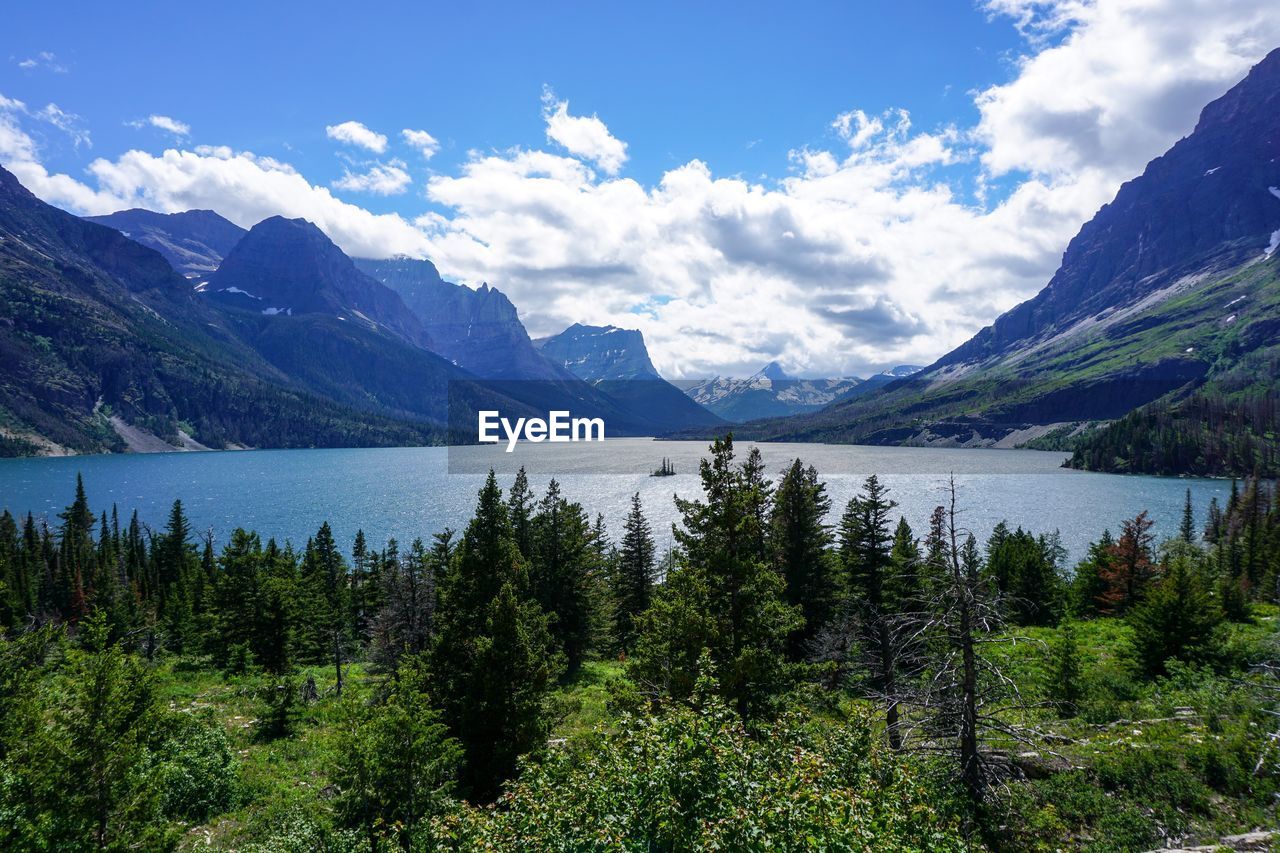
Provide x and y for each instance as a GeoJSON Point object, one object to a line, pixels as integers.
{"type": "Point", "coordinates": [194, 242]}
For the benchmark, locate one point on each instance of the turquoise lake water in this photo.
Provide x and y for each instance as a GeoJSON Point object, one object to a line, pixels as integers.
{"type": "Point", "coordinates": [411, 492]}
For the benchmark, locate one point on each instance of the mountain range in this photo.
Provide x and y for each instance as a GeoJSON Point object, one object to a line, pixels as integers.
{"type": "Point", "coordinates": [1154, 347]}
{"type": "Point", "coordinates": [771, 392]}
{"type": "Point", "coordinates": [103, 346]}
{"type": "Point", "coordinates": [147, 331]}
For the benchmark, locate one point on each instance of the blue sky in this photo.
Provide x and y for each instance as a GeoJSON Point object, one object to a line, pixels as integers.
{"type": "Point", "coordinates": [736, 85]}
{"type": "Point", "coordinates": [838, 186]}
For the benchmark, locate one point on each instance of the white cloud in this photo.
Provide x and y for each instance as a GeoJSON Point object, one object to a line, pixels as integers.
{"type": "Point", "coordinates": [165, 123]}
{"type": "Point", "coordinates": [582, 136]}
{"type": "Point", "coordinates": [68, 123]}
{"type": "Point", "coordinates": [44, 59]}
{"type": "Point", "coordinates": [381, 179]}
{"type": "Point", "coordinates": [355, 133]}
{"type": "Point", "coordinates": [426, 144]}
{"type": "Point", "coordinates": [867, 252]}
{"type": "Point", "coordinates": [1128, 78]}
{"type": "Point", "coordinates": [20, 155]}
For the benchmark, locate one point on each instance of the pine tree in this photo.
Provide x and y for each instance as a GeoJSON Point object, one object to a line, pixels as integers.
{"type": "Point", "coordinates": [1065, 687]}
{"type": "Point", "coordinates": [1025, 569]}
{"type": "Point", "coordinates": [405, 624]}
{"type": "Point", "coordinates": [1089, 584]}
{"type": "Point", "coordinates": [393, 763]}
{"type": "Point", "coordinates": [722, 596]}
{"type": "Point", "coordinates": [634, 576]}
{"type": "Point", "coordinates": [324, 599]}
{"type": "Point", "coordinates": [520, 509]}
{"type": "Point", "coordinates": [799, 542]}
{"type": "Point", "coordinates": [564, 572]}
{"type": "Point", "coordinates": [277, 616]}
{"type": "Point", "coordinates": [76, 560]}
{"type": "Point", "coordinates": [1188, 527]}
{"type": "Point", "coordinates": [1130, 568]}
{"type": "Point", "coordinates": [363, 593]}
{"type": "Point", "coordinates": [238, 599]}
{"type": "Point", "coordinates": [495, 660]}
{"type": "Point", "coordinates": [1176, 619]}
{"type": "Point", "coordinates": [99, 734]}
{"type": "Point", "coordinates": [875, 594]}
{"type": "Point", "coordinates": [1213, 528]}
{"type": "Point", "coordinates": [174, 563]}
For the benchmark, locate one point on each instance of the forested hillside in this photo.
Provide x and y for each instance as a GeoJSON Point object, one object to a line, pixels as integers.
{"type": "Point", "coordinates": [792, 675]}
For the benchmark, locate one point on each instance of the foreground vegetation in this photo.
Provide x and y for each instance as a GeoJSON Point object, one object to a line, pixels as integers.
{"type": "Point", "coordinates": [782, 679]}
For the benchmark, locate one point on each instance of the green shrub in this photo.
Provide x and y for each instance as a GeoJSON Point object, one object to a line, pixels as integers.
{"type": "Point", "coordinates": [195, 769]}
{"type": "Point", "coordinates": [694, 778]}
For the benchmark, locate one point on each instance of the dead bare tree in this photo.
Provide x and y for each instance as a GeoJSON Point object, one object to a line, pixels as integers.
{"type": "Point", "coordinates": [955, 698]}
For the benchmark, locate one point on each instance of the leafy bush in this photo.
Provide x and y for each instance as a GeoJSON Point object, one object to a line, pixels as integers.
{"type": "Point", "coordinates": [195, 769]}
{"type": "Point", "coordinates": [694, 778]}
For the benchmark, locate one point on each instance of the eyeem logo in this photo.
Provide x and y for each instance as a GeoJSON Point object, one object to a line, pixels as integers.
{"type": "Point", "coordinates": [558, 427]}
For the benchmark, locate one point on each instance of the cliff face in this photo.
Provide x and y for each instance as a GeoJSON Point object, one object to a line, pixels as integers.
{"type": "Point", "coordinates": [479, 329]}
{"type": "Point", "coordinates": [1205, 205]}
{"type": "Point", "coordinates": [103, 344]}
{"type": "Point", "coordinates": [616, 361]}
{"type": "Point", "coordinates": [600, 352]}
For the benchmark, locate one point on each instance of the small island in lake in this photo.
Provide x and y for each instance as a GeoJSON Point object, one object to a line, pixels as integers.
{"type": "Point", "coordinates": [667, 470]}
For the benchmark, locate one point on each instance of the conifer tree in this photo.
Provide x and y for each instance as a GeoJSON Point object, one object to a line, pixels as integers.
{"type": "Point", "coordinates": [520, 510]}
{"type": "Point", "coordinates": [799, 543]}
{"type": "Point", "coordinates": [324, 599]}
{"type": "Point", "coordinates": [495, 659]}
{"type": "Point", "coordinates": [564, 572]}
{"type": "Point", "coordinates": [175, 564]}
{"type": "Point", "coordinates": [1187, 530]}
{"type": "Point", "coordinates": [405, 624]}
{"type": "Point", "coordinates": [633, 577]}
{"type": "Point", "coordinates": [876, 594]}
{"type": "Point", "coordinates": [363, 594]}
{"type": "Point", "coordinates": [1177, 618]}
{"type": "Point", "coordinates": [98, 740]}
{"type": "Point", "coordinates": [277, 615]}
{"type": "Point", "coordinates": [1130, 568]}
{"type": "Point", "coordinates": [1090, 581]}
{"type": "Point", "coordinates": [721, 596]}
{"type": "Point", "coordinates": [394, 764]}
{"type": "Point", "coordinates": [238, 599]}
{"type": "Point", "coordinates": [1065, 687]}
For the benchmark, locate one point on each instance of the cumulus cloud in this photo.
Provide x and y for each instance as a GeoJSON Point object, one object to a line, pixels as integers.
{"type": "Point", "coordinates": [425, 143]}
{"type": "Point", "coordinates": [880, 245]}
{"type": "Point", "coordinates": [355, 133]}
{"type": "Point", "coordinates": [20, 154]}
{"type": "Point", "coordinates": [586, 137]}
{"type": "Point", "coordinates": [380, 179]}
{"type": "Point", "coordinates": [165, 123]}
{"type": "Point", "coordinates": [1126, 79]}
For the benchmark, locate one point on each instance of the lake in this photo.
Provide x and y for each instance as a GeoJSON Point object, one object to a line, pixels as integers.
{"type": "Point", "coordinates": [416, 491]}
